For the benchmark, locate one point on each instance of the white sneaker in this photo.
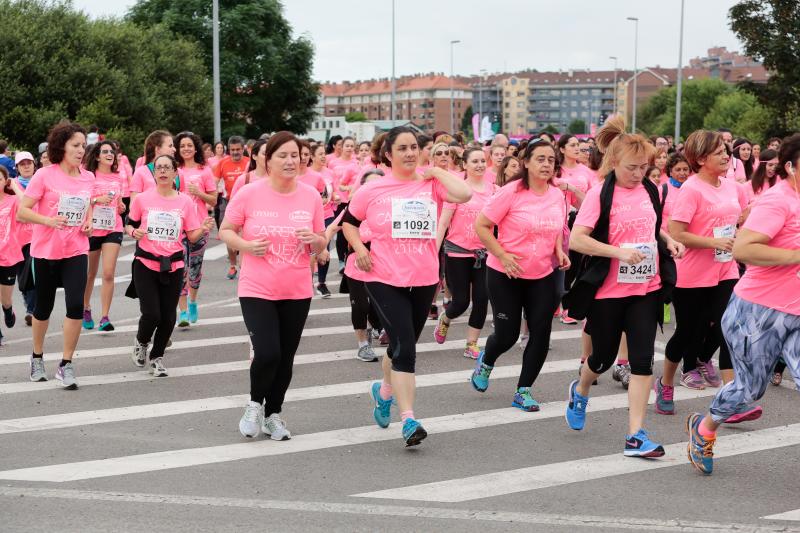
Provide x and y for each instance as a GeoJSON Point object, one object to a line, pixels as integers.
{"type": "Point", "coordinates": [252, 420]}
{"type": "Point", "coordinates": [275, 428]}
{"type": "Point", "coordinates": [157, 368]}
{"type": "Point", "coordinates": [37, 369]}
{"type": "Point", "coordinates": [139, 355]}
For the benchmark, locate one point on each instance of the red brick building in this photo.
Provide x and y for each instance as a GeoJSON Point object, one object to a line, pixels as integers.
{"type": "Point", "coordinates": [423, 100]}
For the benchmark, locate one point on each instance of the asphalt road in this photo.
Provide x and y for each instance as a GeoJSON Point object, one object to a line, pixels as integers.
{"type": "Point", "coordinates": [127, 452]}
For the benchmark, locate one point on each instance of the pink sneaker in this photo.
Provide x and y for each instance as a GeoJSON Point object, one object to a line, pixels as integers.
{"type": "Point", "coordinates": [440, 332]}
{"type": "Point", "coordinates": [472, 351]}
{"type": "Point", "coordinates": [566, 319]}
{"type": "Point", "coordinates": [693, 380]}
{"type": "Point", "coordinates": [747, 414]}
{"type": "Point", "coordinates": [709, 373]}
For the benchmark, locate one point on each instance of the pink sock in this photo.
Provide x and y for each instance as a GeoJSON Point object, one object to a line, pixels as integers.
{"type": "Point", "coordinates": [386, 391]}
{"type": "Point", "coordinates": [621, 361]}
{"type": "Point", "coordinates": [406, 414]}
{"type": "Point", "coordinates": [704, 431]}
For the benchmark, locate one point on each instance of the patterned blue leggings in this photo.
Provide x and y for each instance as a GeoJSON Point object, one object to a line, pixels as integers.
{"type": "Point", "coordinates": [193, 260]}
{"type": "Point", "coordinates": [757, 337]}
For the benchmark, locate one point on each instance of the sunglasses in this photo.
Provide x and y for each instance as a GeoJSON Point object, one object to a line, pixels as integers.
{"type": "Point", "coordinates": [439, 153]}
{"type": "Point", "coordinates": [107, 151]}
{"type": "Point", "coordinates": [164, 168]}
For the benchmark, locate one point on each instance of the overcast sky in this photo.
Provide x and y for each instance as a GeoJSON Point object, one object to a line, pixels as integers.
{"type": "Point", "coordinates": [353, 37]}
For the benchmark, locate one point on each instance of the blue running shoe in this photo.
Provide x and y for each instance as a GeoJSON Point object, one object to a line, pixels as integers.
{"type": "Point", "coordinates": [88, 321]}
{"type": "Point", "coordinates": [413, 432]}
{"type": "Point", "coordinates": [523, 400]}
{"type": "Point", "coordinates": [700, 448]}
{"type": "Point", "coordinates": [640, 445]}
{"type": "Point", "coordinates": [382, 412]}
{"type": "Point", "coordinates": [480, 376]}
{"type": "Point", "coordinates": [576, 408]}
{"type": "Point", "coordinates": [192, 311]}
{"type": "Point", "coordinates": [183, 320]}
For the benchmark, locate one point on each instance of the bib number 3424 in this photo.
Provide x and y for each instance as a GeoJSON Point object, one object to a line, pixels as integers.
{"type": "Point", "coordinates": [413, 218]}
{"type": "Point", "coordinates": [643, 271]}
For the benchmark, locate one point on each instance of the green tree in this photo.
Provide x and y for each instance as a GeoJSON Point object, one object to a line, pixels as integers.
{"type": "Point", "coordinates": [57, 63]}
{"type": "Point", "coordinates": [466, 120]}
{"type": "Point", "coordinates": [551, 128]}
{"type": "Point", "coordinates": [265, 73]}
{"type": "Point", "coordinates": [740, 112]}
{"type": "Point", "coordinates": [770, 31]}
{"type": "Point", "coordinates": [355, 116]}
{"type": "Point", "coordinates": [657, 117]}
{"type": "Point", "coordinates": [577, 126]}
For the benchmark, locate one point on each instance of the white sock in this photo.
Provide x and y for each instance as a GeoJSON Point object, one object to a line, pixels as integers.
{"type": "Point", "coordinates": [361, 344]}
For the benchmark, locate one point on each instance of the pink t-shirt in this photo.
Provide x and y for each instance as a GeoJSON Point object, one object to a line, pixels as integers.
{"type": "Point", "coordinates": [51, 187]}
{"type": "Point", "coordinates": [331, 161]}
{"type": "Point", "coordinates": [329, 208]}
{"type": "Point", "coordinates": [24, 229]}
{"type": "Point", "coordinates": [776, 214]}
{"type": "Point", "coordinates": [401, 261]}
{"type": "Point", "coordinates": [104, 184]}
{"type": "Point", "coordinates": [10, 247]}
{"type": "Point", "coordinates": [165, 220]}
{"type": "Point", "coordinates": [705, 207]}
{"type": "Point", "coordinates": [262, 213]}
{"type": "Point", "coordinates": [346, 173]}
{"type": "Point", "coordinates": [462, 223]}
{"type": "Point", "coordinates": [142, 179]}
{"type": "Point", "coordinates": [632, 221]}
{"type": "Point", "coordinates": [240, 181]}
{"type": "Point", "coordinates": [351, 269]}
{"type": "Point", "coordinates": [528, 225]}
{"type": "Point", "coordinates": [669, 204]}
{"type": "Point", "coordinates": [313, 179]}
{"type": "Point", "coordinates": [204, 179]}
{"type": "Point", "coordinates": [139, 162]}
{"type": "Point", "coordinates": [490, 176]}
{"type": "Point", "coordinates": [579, 177]}
{"type": "Point", "coordinates": [736, 171]}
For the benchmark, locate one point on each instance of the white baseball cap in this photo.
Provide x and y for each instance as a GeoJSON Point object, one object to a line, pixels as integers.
{"type": "Point", "coordinates": [23, 156]}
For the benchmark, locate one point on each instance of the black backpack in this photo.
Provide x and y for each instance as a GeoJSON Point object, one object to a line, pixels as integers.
{"type": "Point", "coordinates": [593, 270]}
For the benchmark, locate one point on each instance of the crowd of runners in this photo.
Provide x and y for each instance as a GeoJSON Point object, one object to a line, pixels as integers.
{"type": "Point", "coordinates": [616, 235]}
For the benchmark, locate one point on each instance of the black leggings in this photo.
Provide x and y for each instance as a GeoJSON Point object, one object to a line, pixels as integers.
{"type": "Point", "coordinates": [465, 282]}
{"type": "Point", "coordinates": [637, 317]}
{"type": "Point", "coordinates": [50, 274]}
{"type": "Point", "coordinates": [158, 297]}
{"type": "Point", "coordinates": [403, 312]}
{"type": "Point", "coordinates": [360, 306]}
{"type": "Point", "coordinates": [322, 270]}
{"type": "Point", "coordinates": [341, 242]}
{"type": "Point", "coordinates": [275, 328]}
{"type": "Point", "coordinates": [698, 313]}
{"type": "Point", "coordinates": [539, 299]}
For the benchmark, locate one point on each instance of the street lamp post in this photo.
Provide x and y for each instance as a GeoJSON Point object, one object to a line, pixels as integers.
{"type": "Point", "coordinates": [480, 95]}
{"type": "Point", "coordinates": [452, 88]}
{"type": "Point", "coordinates": [680, 83]}
{"type": "Point", "coordinates": [635, 68]}
{"type": "Point", "coordinates": [615, 83]}
{"type": "Point", "coordinates": [215, 68]}
{"type": "Point", "coordinates": [394, 79]}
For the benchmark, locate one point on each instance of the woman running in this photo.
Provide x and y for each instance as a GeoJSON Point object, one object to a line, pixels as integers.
{"type": "Point", "coordinates": [401, 269]}
{"type": "Point", "coordinates": [280, 221]}
{"type": "Point", "coordinates": [198, 181]}
{"type": "Point", "coordinates": [158, 220]}
{"type": "Point", "coordinates": [465, 255]}
{"type": "Point", "coordinates": [10, 249]}
{"type": "Point", "coordinates": [57, 201]}
{"type": "Point", "coordinates": [529, 213]}
{"type": "Point", "coordinates": [26, 166]}
{"type": "Point", "coordinates": [315, 180]}
{"type": "Point", "coordinates": [618, 225]}
{"type": "Point", "coordinates": [762, 321]}
{"type": "Point", "coordinates": [106, 239]}
{"type": "Point", "coordinates": [704, 218]}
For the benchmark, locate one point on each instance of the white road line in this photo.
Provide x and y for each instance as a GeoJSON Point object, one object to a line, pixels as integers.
{"type": "Point", "coordinates": [234, 366]}
{"type": "Point", "coordinates": [316, 392]}
{"type": "Point", "coordinates": [151, 462]}
{"type": "Point", "coordinates": [220, 341]}
{"type": "Point", "coordinates": [590, 468]}
{"type": "Point", "coordinates": [438, 513]}
{"type": "Point", "coordinates": [793, 516]}
{"type": "Point", "coordinates": [215, 252]}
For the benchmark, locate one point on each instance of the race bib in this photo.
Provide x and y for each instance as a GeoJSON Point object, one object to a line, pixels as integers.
{"type": "Point", "coordinates": [641, 272]}
{"type": "Point", "coordinates": [104, 217]}
{"type": "Point", "coordinates": [73, 208]}
{"type": "Point", "coordinates": [163, 226]}
{"type": "Point", "coordinates": [413, 218]}
{"type": "Point", "coordinates": [728, 231]}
